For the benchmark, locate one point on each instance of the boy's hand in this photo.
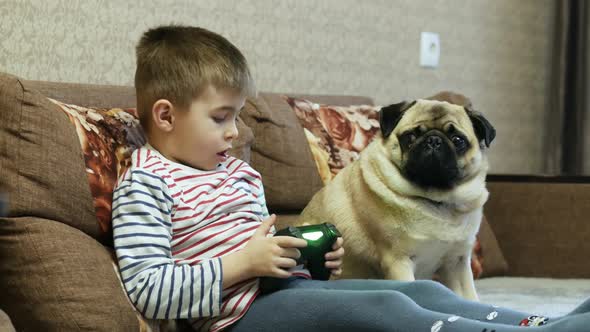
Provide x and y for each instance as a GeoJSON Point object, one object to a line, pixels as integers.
{"type": "Point", "coordinates": [270, 256]}
{"type": "Point", "coordinates": [334, 258]}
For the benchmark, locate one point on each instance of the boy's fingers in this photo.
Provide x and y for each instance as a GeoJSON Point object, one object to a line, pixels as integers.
{"type": "Point", "coordinates": [280, 273]}
{"type": "Point", "coordinates": [290, 242]}
{"type": "Point", "coordinates": [338, 243]}
{"type": "Point", "coordinates": [291, 253]}
{"type": "Point", "coordinates": [337, 272]}
{"type": "Point", "coordinates": [333, 264]}
{"type": "Point", "coordinates": [286, 263]}
{"type": "Point", "coordinates": [265, 226]}
{"type": "Point", "coordinates": [335, 254]}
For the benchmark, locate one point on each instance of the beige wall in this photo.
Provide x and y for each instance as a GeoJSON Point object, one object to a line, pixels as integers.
{"type": "Point", "coordinates": [496, 52]}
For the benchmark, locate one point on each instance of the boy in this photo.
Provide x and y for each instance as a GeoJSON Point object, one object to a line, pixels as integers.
{"type": "Point", "coordinates": [190, 222]}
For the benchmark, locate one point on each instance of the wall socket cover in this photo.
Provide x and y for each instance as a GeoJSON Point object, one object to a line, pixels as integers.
{"type": "Point", "coordinates": [429, 49]}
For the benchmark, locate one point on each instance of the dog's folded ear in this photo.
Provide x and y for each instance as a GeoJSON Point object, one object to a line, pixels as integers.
{"type": "Point", "coordinates": [482, 127]}
{"type": "Point", "coordinates": [390, 115]}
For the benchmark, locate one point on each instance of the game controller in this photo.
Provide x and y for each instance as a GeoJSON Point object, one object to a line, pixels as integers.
{"type": "Point", "coordinates": [320, 239]}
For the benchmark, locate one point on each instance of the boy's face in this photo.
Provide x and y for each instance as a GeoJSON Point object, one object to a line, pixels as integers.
{"type": "Point", "coordinates": [203, 134]}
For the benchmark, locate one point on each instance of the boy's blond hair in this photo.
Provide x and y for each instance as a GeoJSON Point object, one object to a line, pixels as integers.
{"type": "Point", "coordinates": [178, 63]}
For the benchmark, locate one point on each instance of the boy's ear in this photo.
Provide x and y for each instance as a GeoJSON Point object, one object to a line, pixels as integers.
{"type": "Point", "coordinates": [163, 115]}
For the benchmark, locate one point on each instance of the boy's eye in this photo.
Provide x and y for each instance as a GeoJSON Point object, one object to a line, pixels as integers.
{"type": "Point", "coordinates": [219, 119]}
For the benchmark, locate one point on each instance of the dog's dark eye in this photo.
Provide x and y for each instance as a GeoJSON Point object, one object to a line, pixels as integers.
{"type": "Point", "coordinates": [459, 142]}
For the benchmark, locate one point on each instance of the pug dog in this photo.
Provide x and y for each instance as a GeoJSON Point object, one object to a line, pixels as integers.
{"type": "Point", "coordinates": [411, 205]}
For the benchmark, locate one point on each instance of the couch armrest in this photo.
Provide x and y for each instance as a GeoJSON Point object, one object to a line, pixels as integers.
{"type": "Point", "coordinates": [541, 224]}
{"type": "Point", "coordinates": [53, 277]}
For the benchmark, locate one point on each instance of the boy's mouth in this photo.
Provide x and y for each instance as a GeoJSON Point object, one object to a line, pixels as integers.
{"type": "Point", "coordinates": [223, 153]}
{"type": "Point", "coordinates": [222, 156]}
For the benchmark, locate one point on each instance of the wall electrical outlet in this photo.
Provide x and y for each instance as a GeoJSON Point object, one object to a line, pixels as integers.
{"type": "Point", "coordinates": [429, 49]}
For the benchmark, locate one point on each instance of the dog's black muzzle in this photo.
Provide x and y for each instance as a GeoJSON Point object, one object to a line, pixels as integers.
{"type": "Point", "coordinates": [432, 162]}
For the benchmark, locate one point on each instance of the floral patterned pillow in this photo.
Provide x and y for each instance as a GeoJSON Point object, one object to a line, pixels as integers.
{"type": "Point", "coordinates": [337, 134]}
{"type": "Point", "coordinates": [108, 137]}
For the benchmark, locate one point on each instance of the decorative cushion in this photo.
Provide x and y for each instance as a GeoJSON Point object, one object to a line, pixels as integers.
{"type": "Point", "coordinates": [337, 134]}
{"type": "Point", "coordinates": [107, 138]}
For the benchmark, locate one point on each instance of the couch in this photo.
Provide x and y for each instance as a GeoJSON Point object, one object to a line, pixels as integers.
{"type": "Point", "coordinates": [57, 269]}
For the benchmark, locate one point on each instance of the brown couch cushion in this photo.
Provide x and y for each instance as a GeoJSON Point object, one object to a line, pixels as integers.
{"type": "Point", "coordinates": [41, 164]}
{"type": "Point", "coordinates": [280, 151]}
{"type": "Point", "coordinates": [541, 224]}
{"type": "Point", "coordinates": [56, 278]}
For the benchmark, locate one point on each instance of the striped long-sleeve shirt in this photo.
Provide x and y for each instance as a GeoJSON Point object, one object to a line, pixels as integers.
{"type": "Point", "coordinates": [172, 224]}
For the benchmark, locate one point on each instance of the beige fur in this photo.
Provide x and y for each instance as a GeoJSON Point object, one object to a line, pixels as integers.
{"type": "Point", "coordinates": [394, 229]}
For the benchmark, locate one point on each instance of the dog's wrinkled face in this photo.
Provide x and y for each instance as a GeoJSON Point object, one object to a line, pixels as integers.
{"type": "Point", "coordinates": [435, 144]}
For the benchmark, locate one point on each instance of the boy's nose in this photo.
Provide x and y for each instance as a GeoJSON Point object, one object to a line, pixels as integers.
{"type": "Point", "coordinates": [232, 131]}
